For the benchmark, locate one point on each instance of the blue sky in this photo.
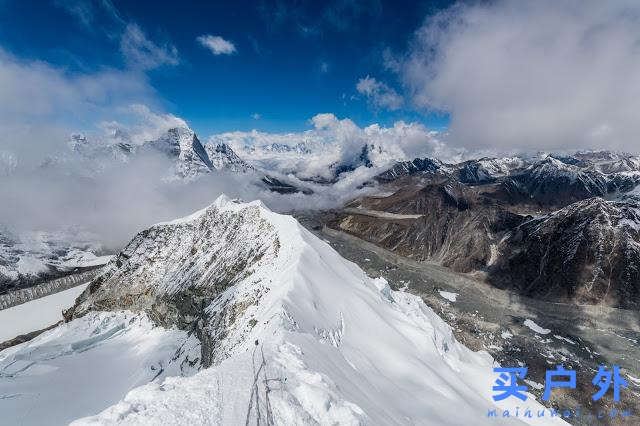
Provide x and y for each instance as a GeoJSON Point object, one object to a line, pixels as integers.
{"type": "Point", "coordinates": [289, 60]}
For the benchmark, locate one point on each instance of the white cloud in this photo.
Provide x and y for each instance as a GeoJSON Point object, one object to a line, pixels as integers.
{"type": "Point", "coordinates": [90, 12]}
{"type": "Point", "coordinates": [216, 44]}
{"type": "Point", "coordinates": [542, 75]}
{"type": "Point", "coordinates": [332, 142]}
{"type": "Point", "coordinates": [256, 116]}
{"type": "Point", "coordinates": [40, 104]}
{"type": "Point", "coordinates": [141, 125]}
{"type": "Point", "coordinates": [378, 93]}
{"type": "Point", "coordinates": [390, 61]}
{"type": "Point", "coordinates": [142, 53]}
{"type": "Point", "coordinates": [81, 9]}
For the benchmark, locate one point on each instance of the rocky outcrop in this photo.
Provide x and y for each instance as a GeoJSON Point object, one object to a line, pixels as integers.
{"type": "Point", "coordinates": [487, 170]}
{"type": "Point", "coordinates": [422, 166]}
{"type": "Point", "coordinates": [554, 228]}
{"type": "Point", "coordinates": [456, 227]}
{"type": "Point", "coordinates": [183, 145]}
{"type": "Point", "coordinates": [224, 158]}
{"type": "Point", "coordinates": [588, 252]}
{"type": "Point", "coordinates": [174, 271]}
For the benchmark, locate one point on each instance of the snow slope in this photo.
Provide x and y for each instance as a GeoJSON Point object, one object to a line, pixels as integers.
{"type": "Point", "coordinates": [37, 314]}
{"type": "Point", "coordinates": [79, 368]}
{"type": "Point", "coordinates": [300, 335]}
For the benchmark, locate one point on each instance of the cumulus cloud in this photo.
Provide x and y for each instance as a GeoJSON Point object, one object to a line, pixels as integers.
{"type": "Point", "coordinates": [139, 124]}
{"type": "Point", "coordinates": [543, 74]}
{"type": "Point", "coordinates": [333, 142]}
{"type": "Point", "coordinates": [47, 186]}
{"type": "Point", "coordinates": [216, 44]}
{"type": "Point", "coordinates": [378, 93]}
{"type": "Point", "coordinates": [142, 53]}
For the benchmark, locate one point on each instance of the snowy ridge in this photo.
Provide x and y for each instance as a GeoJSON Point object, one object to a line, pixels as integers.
{"type": "Point", "coordinates": [298, 335]}
{"type": "Point", "coordinates": [486, 170]}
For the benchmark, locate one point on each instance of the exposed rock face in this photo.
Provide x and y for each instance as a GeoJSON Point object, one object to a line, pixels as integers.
{"type": "Point", "coordinates": [588, 252]}
{"type": "Point", "coordinates": [410, 168]}
{"type": "Point", "coordinates": [487, 170]}
{"type": "Point", "coordinates": [223, 158]}
{"type": "Point", "coordinates": [551, 182]}
{"type": "Point", "coordinates": [174, 271]}
{"type": "Point", "coordinates": [479, 216]}
{"type": "Point", "coordinates": [192, 158]}
{"type": "Point", "coordinates": [457, 227]}
{"type": "Point", "coordinates": [183, 145]}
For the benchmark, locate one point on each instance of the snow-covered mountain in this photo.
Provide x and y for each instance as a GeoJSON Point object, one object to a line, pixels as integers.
{"type": "Point", "coordinates": [189, 157]}
{"type": "Point", "coordinates": [183, 146]}
{"type": "Point", "coordinates": [222, 157]}
{"type": "Point", "coordinates": [289, 333]}
{"type": "Point", "coordinates": [423, 166]}
{"type": "Point", "coordinates": [551, 181]}
{"type": "Point", "coordinates": [486, 170]}
{"type": "Point", "coordinates": [192, 158]}
{"type": "Point", "coordinates": [546, 180]}
{"type": "Point", "coordinates": [32, 257]}
{"type": "Point", "coordinates": [553, 227]}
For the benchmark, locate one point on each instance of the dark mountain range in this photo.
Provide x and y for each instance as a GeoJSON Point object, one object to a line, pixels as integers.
{"type": "Point", "coordinates": [555, 228]}
{"type": "Point", "coordinates": [588, 252]}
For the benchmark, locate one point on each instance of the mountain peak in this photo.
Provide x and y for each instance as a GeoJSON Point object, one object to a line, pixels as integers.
{"type": "Point", "coordinates": [182, 142]}
{"type": "Point", "coordinates": [255, 286]}
{"type": "Point", "coordinates": [224, 158]}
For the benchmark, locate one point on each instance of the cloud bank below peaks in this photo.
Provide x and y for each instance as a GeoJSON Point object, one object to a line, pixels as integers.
{"type": "Point", "coordinates": [335, 144]}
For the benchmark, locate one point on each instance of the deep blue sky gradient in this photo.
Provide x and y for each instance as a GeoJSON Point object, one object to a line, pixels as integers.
{"type": "Point", "coordinates": [277, 71]}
